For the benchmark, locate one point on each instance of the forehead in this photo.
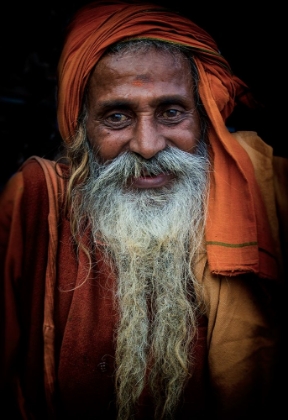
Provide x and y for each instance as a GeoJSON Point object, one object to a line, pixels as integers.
{"type": "Point", "coordinates": [142, 67]}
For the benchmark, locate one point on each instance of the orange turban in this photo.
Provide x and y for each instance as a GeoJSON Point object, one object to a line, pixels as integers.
{"type": "Point", "coordinates": [237, 234]}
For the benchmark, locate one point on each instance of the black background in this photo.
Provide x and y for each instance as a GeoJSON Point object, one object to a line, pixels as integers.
{"type": "Point", "coordinates": [249, 35]}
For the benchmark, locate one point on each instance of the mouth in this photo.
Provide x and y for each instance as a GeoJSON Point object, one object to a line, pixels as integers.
{"type": "Point", "coordinates": [151, 181]}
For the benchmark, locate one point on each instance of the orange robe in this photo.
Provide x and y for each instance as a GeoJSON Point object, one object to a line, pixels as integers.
{"type": "Point", "coordinates": [57, 347]}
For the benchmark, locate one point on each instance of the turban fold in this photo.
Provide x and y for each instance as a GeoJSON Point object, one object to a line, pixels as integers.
{"type": "Point", "coordinates": [237, 234]}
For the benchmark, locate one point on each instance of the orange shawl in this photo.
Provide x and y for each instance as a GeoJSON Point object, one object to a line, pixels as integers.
{"type": "Point", "coordinates": [237, 234]}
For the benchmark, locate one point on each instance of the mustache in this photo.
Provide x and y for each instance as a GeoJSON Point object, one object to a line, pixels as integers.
{"type": "Point", "coordinates": [169, 161]}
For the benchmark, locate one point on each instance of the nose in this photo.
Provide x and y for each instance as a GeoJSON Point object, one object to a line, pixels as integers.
{"type": "Point", "coordinates": [147, 141]}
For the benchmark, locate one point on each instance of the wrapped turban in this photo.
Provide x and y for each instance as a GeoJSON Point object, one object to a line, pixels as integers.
{"type": "Point", "coordinates": [237, 233]}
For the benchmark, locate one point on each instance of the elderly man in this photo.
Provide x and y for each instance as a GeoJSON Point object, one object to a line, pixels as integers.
{"type": "Point", "coordinates": [143, 270]}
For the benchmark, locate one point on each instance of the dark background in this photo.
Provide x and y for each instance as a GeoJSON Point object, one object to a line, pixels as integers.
{"type": "Point", "coordinates": [248, 34]}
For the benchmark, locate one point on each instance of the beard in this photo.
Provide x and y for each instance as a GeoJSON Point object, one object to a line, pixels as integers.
{"type": "Point", "coordinates": [151, 237]}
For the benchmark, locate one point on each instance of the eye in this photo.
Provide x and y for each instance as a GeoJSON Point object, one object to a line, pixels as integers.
{"type": "Point", "coordinates": [117, 118]}
{"type": "Point", "coordinates": [171, 113]}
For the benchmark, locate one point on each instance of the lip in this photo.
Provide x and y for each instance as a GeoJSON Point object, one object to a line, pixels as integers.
{"type": "Point", "coordinates": [156, 181]}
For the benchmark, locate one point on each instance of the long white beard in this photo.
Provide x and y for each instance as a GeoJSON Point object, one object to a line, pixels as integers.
{"type": "Point", "coordinates": [152, 237]}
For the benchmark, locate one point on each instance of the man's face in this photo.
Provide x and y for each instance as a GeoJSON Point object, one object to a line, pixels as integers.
{"type": "Point", "coordinates": [142, 103]}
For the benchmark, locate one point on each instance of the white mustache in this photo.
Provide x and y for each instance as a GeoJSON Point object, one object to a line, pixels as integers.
{"type": "Point", "coordinates": [170, 161]}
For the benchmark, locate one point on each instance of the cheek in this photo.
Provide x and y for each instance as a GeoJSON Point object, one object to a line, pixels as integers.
{"type": "Point", "coordinates": [186, 143]}
{"type": "Point", "coordinates": [186, 139]}
{"type": "Point", "coordinates": [105, 145]}
{"type": "Point", "coordinates": [93, 140]}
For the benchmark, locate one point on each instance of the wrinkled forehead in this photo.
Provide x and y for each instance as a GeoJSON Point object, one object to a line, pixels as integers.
{"type": "Point", "coordinates": [138, 67]}
{"type": "Point", "coordinates": [133, 55]}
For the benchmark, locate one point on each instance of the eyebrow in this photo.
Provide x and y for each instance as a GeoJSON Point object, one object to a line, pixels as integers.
{"type": "Point", "coordinates": [110, 104]}
{"type": "Point", "coordinates": [126, 103]}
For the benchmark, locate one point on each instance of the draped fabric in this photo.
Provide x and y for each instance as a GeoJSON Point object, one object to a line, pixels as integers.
{"type": "Point", "coordinates": [237, 233]}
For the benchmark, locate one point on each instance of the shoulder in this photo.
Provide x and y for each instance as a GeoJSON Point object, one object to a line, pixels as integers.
{"type": "Point", "coordinates": [271, 171]}
{"type": "Point", "coordinates": [32, 173]}
{"type": "Point", "coordinates": [33, 169]}
{"type": "Point", "coordinates": [40, 175]}
{"type": "Point", "coordinates": [256, 148]}
{"type": "Point", "coordinates": [35, 192]}
{"type": "Point", "coordinates": [28, 180]}
{"type": "Point", "coordinates": [262, 156]}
